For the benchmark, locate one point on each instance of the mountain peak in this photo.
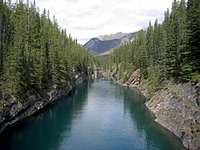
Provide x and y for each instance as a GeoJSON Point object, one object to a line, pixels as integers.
{"type": "Point", "coordinates": [117, 35]}
{"type": "Point", "coordinates": [105, 43]}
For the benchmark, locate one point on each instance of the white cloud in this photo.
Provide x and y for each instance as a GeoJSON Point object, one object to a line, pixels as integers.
{"type": "Point", "coordinates": [85, 19]}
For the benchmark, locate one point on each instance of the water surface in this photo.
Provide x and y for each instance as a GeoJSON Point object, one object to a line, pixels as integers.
{"type": "Point", "coordinates": [99, 116]}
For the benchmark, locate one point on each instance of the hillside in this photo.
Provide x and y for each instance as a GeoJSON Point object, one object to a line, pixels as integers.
{"type": "Point", "coordinates": [105, 43]}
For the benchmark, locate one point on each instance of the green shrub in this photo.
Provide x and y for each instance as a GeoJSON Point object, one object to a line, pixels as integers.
{"type": "Point", "coordinates": [196, 77]}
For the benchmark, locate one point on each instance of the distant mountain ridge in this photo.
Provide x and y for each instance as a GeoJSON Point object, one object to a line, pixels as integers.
{"type": "Point", "coordinates": [118, 35]}
{"type": "Point", "coordinates": [105, 43]}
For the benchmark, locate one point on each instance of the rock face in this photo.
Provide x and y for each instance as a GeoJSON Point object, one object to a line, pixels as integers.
{"type": "Point", "coordinates": [178, 114]}
{"type": "Point", "coordinates": [134, 80]}
{"type": "Point", "coordinates": [176, 107]}
{"type": "Point", "coordinates": [13, 111]}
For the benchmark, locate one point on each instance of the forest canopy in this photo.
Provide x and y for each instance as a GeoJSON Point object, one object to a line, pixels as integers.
{"type": "Point", "coordinates": [165, 51]}
{"type": "Point", "coordinates": [35, 53]}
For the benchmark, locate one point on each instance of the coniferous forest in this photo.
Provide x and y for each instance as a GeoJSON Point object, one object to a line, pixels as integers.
{"type": "Point", "coordinates": [164, 51]}
{"type": "Point", "coordinates": [40, 63]}
{"type": "Point", "coordinates": [35, 53]}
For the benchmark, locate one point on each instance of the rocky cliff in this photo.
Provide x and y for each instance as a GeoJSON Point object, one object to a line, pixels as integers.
{"type": "Point", "coordinates": [13, 110]}
{"type": "Point", "coordinates": [176, 107]}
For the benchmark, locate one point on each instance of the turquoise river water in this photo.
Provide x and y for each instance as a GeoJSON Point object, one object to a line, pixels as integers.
{"type": "Point", "coordinates": [98, 116]}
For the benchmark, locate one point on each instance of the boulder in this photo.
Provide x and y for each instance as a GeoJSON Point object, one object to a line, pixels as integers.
{"type": "Point", "coordinates": [15, 109]}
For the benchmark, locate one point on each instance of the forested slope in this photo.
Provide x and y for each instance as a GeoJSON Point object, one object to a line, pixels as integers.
{"type": "Point", "coordinates": [164, 64]}
{"type": "Point", "coordinates": [36, 56]}
{"type": "Point", "coordinates": [166, 51]}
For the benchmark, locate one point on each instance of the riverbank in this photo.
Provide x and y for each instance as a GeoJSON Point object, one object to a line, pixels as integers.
{"type": "Point", "coordinates": [99, 115]}
{"type": "Point", "coordinates": [13, 110]}
{"type": "Point", "coordinates": [175, 106]}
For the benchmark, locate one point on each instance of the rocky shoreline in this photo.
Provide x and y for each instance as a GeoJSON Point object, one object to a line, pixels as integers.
{"type": "Point", "coordinates": [175, 107]}
{"type": "Point", "coordinates": [15, 111]}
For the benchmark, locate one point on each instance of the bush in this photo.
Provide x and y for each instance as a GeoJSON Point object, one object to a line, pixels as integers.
{"type": "Point", "coordinates": [196, 77]}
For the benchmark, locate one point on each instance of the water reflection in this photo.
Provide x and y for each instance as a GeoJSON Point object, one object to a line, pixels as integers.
{"type": "Point", "coordinates": [45, 131]}
{"type": "Point", "coordinates": [154, 135]}
{"type": "Point", "coordinates": [99, 116]}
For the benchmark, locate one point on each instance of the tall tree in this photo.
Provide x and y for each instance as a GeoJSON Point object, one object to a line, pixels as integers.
{"type": "Point", "coordinates": [193, 20]}
{"type": "Point", "coordinates": [1, 33]}
{"type": "Point", "coordinates": [39, 55]}
{"type": "Point", "coordinates": [150, 44]}
{"type": "Point", "coordinates": [184, 53]}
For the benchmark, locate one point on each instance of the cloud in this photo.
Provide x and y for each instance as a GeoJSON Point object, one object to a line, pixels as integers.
{"type": "Point", "coordinates": [85, 19]}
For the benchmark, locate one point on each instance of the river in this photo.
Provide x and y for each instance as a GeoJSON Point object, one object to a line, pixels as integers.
{"type": "Point", "coordinates": [99, 116]}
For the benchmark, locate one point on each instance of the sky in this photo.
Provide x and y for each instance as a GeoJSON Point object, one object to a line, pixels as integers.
{"type": "Point", "coordinates": [85, 19]}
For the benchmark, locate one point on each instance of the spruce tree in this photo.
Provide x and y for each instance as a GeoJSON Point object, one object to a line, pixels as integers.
{"type": "Point", "coordinates": [183, 51]}
{"type": "Point", "coordinates": [36, 53]}
{"type": "Point", "coordinates": [149, 41]}
{"type": "Point", "coordinates": [193, 24]}
{"type": "Point", "coordinates": [1, 33]}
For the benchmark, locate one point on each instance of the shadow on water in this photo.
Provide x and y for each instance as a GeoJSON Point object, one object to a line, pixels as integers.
{"type": "Point", "coordinates": [45, 130]}
{"type": "Point", "coordinates": [98, 116]}
{"type": "Point", "coordinates": [155, 135]}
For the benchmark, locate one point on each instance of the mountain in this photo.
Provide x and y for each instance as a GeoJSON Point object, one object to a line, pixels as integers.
{"type": "Point", "coordinates": [118, 35]}
{"type": "Point", "coordinates": [105, 43]}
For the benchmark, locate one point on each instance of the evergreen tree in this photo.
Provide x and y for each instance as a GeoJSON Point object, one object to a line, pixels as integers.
{"type": "Point", "coordinates": [4, 32]}
{"type": "Point", "coordinates": [193, 24]}
{"type": "Point", "coordinates": [183, 51]}
{"type": "Point", "coordinates": [142, 54]}
{"type": "Point", "coordinates": [172, 54]}
{"type": "Point", "coordinates": [170, 49]}
{"type": "Point", "coordinates": [35, 53]}
{"type": "Point", "coordinates": [150, 43]}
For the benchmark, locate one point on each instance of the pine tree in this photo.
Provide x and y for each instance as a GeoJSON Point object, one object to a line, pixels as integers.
{"type": "Point", "coordinates": [4, 32]}
{"type": "Point", "coordinates": [183, 51]}
{"type": "Point", "coordinates": [156, 51]}
{"type": "Point", "coordinates": [143, 54]}
{"type": "Point", "coordinates": [171, 50]}
{"type": "Point", "coordinates": [1, 33]}
{"type": "Point", "coordinates": [13, 66]}
{"type": "Point", "coordinates": [36, 53]}
{"type": "Point", "coordinates": [149, 41]}
{"type": "Point", "coordinates": [172, 54]}
{"type": "Point", "coordinates": [162, 52]}
{"type": "Point", "coordinates": [193, 24]}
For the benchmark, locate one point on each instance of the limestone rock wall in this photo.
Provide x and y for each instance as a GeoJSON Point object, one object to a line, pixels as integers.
{"type": "Point", "coordinates": [176, 107]}
{"type": "Point", "coordinates": [13, 110]}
